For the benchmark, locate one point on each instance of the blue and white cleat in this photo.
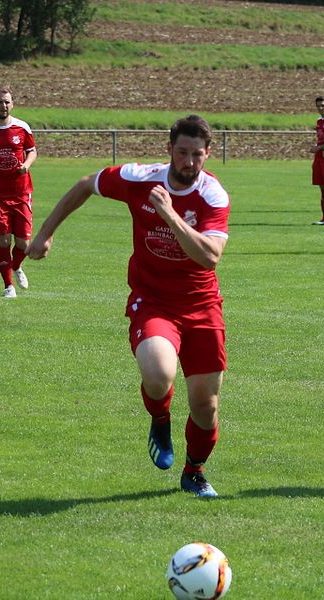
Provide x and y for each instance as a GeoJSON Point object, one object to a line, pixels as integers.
{"type": "Point", "coordinates": [198, 485]}
{"type": "Point", "coordinates": [160, 445]}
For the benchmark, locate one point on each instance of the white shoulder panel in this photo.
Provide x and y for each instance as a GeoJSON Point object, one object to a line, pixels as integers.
{"type": "Point", "coordinates": [212, 191]}
{"type": "Point", "coordinates": [20, 123]}
{"type": "Point", "coordinates": [139, 172]}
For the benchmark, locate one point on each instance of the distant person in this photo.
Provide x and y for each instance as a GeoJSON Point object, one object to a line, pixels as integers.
{"type": "Point", "coordinates": [180, 214]}
{"type": "Point", "coordinates": [17, 154]}
{"type": "Point", "coordinates": [318, 151]}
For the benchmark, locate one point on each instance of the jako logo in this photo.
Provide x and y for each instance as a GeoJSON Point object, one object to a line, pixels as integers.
{"type": "Point", "coordinates": [149, 209]}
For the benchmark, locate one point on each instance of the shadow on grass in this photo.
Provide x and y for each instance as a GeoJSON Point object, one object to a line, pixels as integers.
{"type": "Point", "coordinates": [45, 506]}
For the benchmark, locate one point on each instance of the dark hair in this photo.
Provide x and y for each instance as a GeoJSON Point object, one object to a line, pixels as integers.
{"type": "Point", "coordinates": [194, 126]}
{"type": "Point", "coordinates": [5, 89]}
{"type": "Point", "coordinates": [319, 99]}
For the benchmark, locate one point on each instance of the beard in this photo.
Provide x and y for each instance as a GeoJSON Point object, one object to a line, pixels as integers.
{"type": "Point", "coordinates": [183, 178]}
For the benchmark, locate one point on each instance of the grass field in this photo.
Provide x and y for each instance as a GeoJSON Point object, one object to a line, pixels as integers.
{"type": "Point", "coordinates": [278, 18]}
{"type": "Point", "coordinates": [97, 49]}
{"type": "Point", "coordinates": [83, 513]}
{"type": "Point", "coordinates": [96, 118]}
{"type": "Point", "coordinates": [125, 54]}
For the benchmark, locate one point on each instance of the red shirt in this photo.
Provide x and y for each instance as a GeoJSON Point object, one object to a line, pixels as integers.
{"type": "Point", "coordinates": [16, 139]}
{"type": "Point", "coordinates": [159, 269]}
{"type": "Point", "coordinates": [320, 131]}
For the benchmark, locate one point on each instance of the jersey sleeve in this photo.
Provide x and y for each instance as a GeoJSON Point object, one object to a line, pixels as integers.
{"type": "Point", "coordinates": [29, 142]}
{"type": "Point", "coordinates": [118, 182]}
{"type": "Point", "coordinates": [320, 131]}
{"type": "Point", "coordinates": [216, 209]}
{"type": "Point", "coordinates": [216, 224]}
{"type": "Point", "coordinates": [110, 184]}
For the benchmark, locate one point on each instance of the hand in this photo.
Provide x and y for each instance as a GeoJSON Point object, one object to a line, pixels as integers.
{"type": "Point", "coordinates": [40, 247]}
{"type": "Point", "coordinates": [161, 201]}
{"type": "Point", "coordinates": [22, 170]}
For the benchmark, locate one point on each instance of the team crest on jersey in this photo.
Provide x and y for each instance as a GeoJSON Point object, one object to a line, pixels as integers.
{"type": "Point", "coordinates": [190, 217]}
{"type": "Point", "coordinates": [16, 139]}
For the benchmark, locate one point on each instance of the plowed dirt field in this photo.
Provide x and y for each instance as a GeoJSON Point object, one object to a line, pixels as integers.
{"type": "Point", "coordinates": [188, 90]}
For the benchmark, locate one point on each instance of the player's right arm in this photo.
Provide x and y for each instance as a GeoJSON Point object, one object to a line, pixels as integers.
{"type": "Point", "coordinates": [70, 202]}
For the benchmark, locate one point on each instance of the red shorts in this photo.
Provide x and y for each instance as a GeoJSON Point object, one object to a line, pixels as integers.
{"type": "Point", "coordinates": [16, 217]}
{"type": "Point", "coordinates": [318, 169]}
{"type": "Point", "coordinates": [198, 337]}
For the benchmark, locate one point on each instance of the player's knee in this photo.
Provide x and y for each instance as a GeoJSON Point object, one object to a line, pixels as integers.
{"type": "Point", "coordinates": [5, 240]}
{"type": "Point", "coordinates": [205, 414]}
{"type": "Point", "coordinates": [157, 388]}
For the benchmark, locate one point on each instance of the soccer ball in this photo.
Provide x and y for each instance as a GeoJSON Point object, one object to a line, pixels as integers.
{"type": "Point", "coordinates": [199, 572]}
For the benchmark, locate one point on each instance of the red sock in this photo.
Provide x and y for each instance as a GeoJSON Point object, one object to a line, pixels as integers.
{"type": "Point", "coordinates": [200, 443]}
{"type": "Point", "coordinates": [18, 256]}
{"type": "Point", "coordinates": [158, 409]}
{"type": "Point", "coordinates": [5, 266]}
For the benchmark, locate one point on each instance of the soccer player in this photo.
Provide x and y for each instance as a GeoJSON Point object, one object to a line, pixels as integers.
{"type": "Point", "coordinates": [180, 228]}
{"type": "Point", "coordinates": [17, 154]}
{"type": "Point", "coordinates": [318, 151]}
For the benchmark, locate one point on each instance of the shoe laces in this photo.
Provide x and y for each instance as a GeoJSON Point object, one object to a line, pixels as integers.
{"type": "Point", "coordinates": [199, 479]}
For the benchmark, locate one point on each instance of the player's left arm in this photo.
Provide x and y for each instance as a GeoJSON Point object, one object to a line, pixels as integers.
{"type": "Point", "coordinates": [30, 158]}
{"type": "Point", "coordinates": [206, 250]}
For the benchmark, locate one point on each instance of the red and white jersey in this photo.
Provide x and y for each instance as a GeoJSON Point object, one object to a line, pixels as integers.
{"type": "Point", "coordinates": [320, 131]}
{"type": "Point", "coordinates": [16, 139]}
{"type": "Point", "coordinates": [159, 269]}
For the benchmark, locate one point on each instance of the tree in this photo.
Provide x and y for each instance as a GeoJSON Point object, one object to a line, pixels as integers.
{"type": "Point", "coordinates": [77, 13]}
{"type": "Point", "coordinates": [7, 10]}
{"type": "Point", "coordinates": [55, 18]}
{"type": "Point", "coordinates": [32, 26]}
